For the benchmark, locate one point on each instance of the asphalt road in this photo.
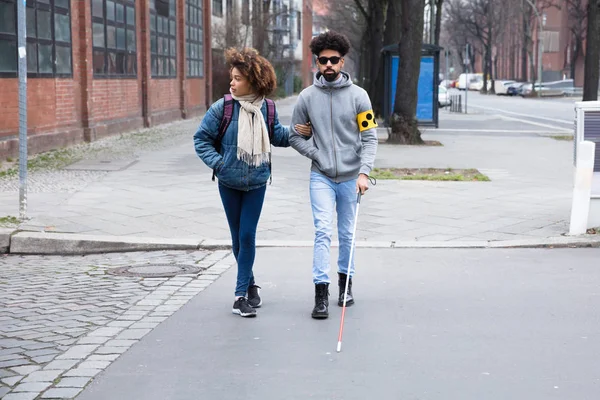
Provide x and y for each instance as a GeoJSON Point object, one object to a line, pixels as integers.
{"type": "Point", "coordinates": [428, 324]}
{"type": "Point", "coordinates": [557, 113]}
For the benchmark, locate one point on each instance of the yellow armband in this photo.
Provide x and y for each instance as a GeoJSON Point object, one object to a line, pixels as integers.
{"type": "Point", "coordinates": [366, 120]}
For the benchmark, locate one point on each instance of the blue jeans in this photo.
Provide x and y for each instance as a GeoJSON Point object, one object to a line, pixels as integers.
{"type": "Point", "coordinates": [243, 212]}
{"type": "Point", "coordinates": [326, 197]}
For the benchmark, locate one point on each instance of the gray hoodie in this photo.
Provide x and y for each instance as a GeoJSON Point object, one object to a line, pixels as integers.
{"type": "Point", "coordinates": [337, 148]}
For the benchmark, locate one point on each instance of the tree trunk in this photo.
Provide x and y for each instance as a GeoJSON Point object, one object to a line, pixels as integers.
{"type": "Point", "coordinates": [524, 51]}
{"type": "Point", "coordinates": [438, 21]}
{"type": "Point", "coordinates": [375, 42]}
{"type": "Point", "coordinates": [592, 52]}
{"type": "Point", "coordinates": [403, 121]}
{"type": "Point", "coordinates": [391, 35]}
{"type": "Point", "coordinates": [392, 32]}
{"type": "Point", "coordinates": [486, 67]}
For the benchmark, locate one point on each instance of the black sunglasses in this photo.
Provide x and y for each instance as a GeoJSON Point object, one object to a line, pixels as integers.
{"type": "Point", "coordinates": [334, 60]}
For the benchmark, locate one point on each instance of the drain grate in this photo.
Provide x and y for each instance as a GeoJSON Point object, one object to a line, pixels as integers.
{"type": "Point", "coordinates": [155, 270]}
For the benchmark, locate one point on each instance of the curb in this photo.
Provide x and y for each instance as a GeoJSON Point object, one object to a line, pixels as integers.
{"type": "Point", "coordinates": [45, 243]}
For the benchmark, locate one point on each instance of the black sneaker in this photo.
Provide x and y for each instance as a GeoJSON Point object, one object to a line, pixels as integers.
{"type": "Point", "coordinates": [254, 296]}
{"type": "Point", "coordinates": [242, 308]}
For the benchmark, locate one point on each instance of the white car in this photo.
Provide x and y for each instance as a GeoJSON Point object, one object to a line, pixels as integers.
{"type": "Point", "coordinates": [501, 87]}
{"type": "Point", "coordinates": [443, 97]}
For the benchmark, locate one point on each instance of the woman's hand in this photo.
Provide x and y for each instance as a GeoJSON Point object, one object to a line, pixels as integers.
{"type": "Point", "coordinates": [304, 130]}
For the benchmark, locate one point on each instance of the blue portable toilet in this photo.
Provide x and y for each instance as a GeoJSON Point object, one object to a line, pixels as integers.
{"type": "Point", "coordinates": [427, 101]}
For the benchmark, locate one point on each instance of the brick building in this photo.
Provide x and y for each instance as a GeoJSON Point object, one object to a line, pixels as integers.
{"type": "Point", "coordinates": [558, 61]}
{"type": "Point", "coordinates": [99, 67]}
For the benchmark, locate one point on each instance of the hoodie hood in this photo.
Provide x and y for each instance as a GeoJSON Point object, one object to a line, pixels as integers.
{"type": "Point", "coordinates": [320, 82]}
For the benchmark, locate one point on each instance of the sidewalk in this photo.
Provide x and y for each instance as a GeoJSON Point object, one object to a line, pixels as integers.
{"type": "Point", "coordinates": [165, 195]}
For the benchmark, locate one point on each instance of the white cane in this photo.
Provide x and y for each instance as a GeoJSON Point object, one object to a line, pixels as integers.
{"type": "Point", "coordinates": [339, 345]}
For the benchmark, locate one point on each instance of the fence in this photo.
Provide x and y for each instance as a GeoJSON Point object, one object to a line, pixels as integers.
{"type": "Point", "coordinates": [456, 103]}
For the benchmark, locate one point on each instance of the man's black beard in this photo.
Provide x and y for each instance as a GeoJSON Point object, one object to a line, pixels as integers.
{"type": "Point", "coordinates": [331, 77]}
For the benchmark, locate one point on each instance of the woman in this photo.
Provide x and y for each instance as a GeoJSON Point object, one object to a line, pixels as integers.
{"type": "Point", "coordinates": [243, 164]}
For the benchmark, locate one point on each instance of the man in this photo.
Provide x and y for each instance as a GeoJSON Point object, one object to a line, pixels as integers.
{"type": "Point", "coordinates": [342, 149]}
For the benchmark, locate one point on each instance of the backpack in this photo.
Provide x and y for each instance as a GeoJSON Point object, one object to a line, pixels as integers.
{"type": "Point", "coordinates": [228, 114]}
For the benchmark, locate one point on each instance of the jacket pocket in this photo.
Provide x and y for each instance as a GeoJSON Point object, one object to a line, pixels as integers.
{"type": "Point", "coordinates": [348, 161]}
{"type": "Point", "coordinates": [325, 162]}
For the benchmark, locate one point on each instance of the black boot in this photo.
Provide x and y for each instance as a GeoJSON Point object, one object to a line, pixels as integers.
{"type": "Point", "coordinates": [321, 310]}
{"type": "Point", "coordinates": [342, 286]}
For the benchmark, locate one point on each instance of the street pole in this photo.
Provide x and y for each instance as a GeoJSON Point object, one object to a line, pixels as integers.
{"type": "Point", "coordinates": [467, 59]}
{"type": "Point", "coordinates": [22, 45]}
{"type": "Point", "coordinates": [446, 74]}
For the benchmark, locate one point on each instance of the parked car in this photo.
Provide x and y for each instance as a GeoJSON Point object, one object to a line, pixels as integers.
{"type": "Point", "coordinates": [514, 89]}
{"type": "Point", "coordinates": [501, 87]}
{"type": "Point", "coordinates": [443, 97]}
{"type": "Point", "coordinates": [547, 89]}
{"type": "Point", "coordinates": [465, 81]}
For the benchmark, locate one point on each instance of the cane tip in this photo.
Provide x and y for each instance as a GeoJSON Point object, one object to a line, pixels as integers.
{"type": "Point", "coordinates": [339, 347]}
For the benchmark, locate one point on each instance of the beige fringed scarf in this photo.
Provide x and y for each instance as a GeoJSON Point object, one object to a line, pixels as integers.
{"type": "Point", "coordinates": [253, 146]}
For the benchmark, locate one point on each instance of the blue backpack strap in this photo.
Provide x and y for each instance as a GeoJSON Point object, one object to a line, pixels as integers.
{"type": "Point", "coordinates": [225, 121]}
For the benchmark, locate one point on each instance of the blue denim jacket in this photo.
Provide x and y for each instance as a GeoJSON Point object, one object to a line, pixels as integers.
{"type": "Point", "coordinates": [232, 172]}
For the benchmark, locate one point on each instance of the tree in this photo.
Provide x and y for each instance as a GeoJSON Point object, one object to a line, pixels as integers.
{"type": "Point", "coordinates": [481, 19]}
{"type": "Point", "coordinates": [343, 16]}
{"type": "Point", "coordinates": [438, 21]}
{"type": "Point", "coordinates": [577, 25]}
{"type": "Point", "coordinates": [403, 121]}
{"type": "Point", "coordinates": [592, 52]}
{"type": "Point", "coordinates": [373, 41]}
{"type": "Point", "coordinates": [391, 35]}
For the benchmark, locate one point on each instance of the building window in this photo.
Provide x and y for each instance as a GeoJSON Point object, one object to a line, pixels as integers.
{"type": "Point", "coordinates": [48, 38]}
{"type": "Point", "coordinates": [284, 16]}
{"type": "Point", "coordinates": [229, 9]}
{"type": "Point", "coordinates": [298, 25]}
{"type": "Point", "coordinates": [163, 30]}
{"type": "Point", "coordinates": [194, 39]}
{"type": "Point", "coordinates": [114, 44]}
{"type": "Point", "coordinates": [246, 12]}
{"type": "Point", "coordinates": [217, 8]}
{"type": "Point", "coordinates": [8, 38]}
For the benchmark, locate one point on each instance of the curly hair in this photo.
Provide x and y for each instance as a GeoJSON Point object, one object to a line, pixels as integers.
{"type": "Point", "coordinates": [330, 40]}
{"type": "Point", "coordinates": [257, 69]}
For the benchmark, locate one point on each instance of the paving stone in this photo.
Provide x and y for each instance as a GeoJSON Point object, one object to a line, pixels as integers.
{"type": "Point", "coordinates": [10, 351]}
{"type": "Point", "coordinates": [26, 370]}
{"type": "Point", "coordinates": [78, 352]}
{"type": "Point", "coordinates": [41, 352]}
{"type": "Point", "coordinates": [93, 340]}
{"type": "Point", "coordinates": [61, 393]}
{"type": "Point", "coordinates": [108, 331]}
{"type": "Point", "coordinates": [43, 359]}
{"type": "Point", "coordinates": [3, 390]}
{"type": "Point", "coordinates": [103, 357]}
{"type": "Point", "coordinates": [12, 380]}
{"type": "Point", "coordinates": [32, 387]}
{"type": "Point", "coordinates": [61, 364]}
{"type": "Point", "coordinates": [6, 373]}
{"type": "Point", "coordinates": [83, 372]}
{"type": "Point", "coordinates": [111, 350]}
{"type": "Point", "coordinates": [43, 376]}
{"type": "Point", "coordinates": [73, 382]}
{"type": "Point", "coordinates": [14, 363]}
{"type": "Point", "coordinates": [121, 324]}
{"type": "Point", "coordinates": [133, 334]}
{"type": "Point", "coordinates": [21, 396]}
{"type": "Point", "coordinates": [94, 365]}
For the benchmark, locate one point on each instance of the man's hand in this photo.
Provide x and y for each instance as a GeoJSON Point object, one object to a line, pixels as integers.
{"type": "Point", "coordinates": [304, 130]}
{"type": "Point", "coordinates": [362, 183]}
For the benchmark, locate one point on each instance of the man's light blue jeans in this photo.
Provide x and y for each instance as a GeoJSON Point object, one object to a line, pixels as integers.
{"type": "Point", "coordinates": [327, 197]}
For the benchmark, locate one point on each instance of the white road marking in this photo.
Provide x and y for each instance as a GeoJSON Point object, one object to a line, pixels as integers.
{"type": "Point", "coordinates": [561, 121]}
